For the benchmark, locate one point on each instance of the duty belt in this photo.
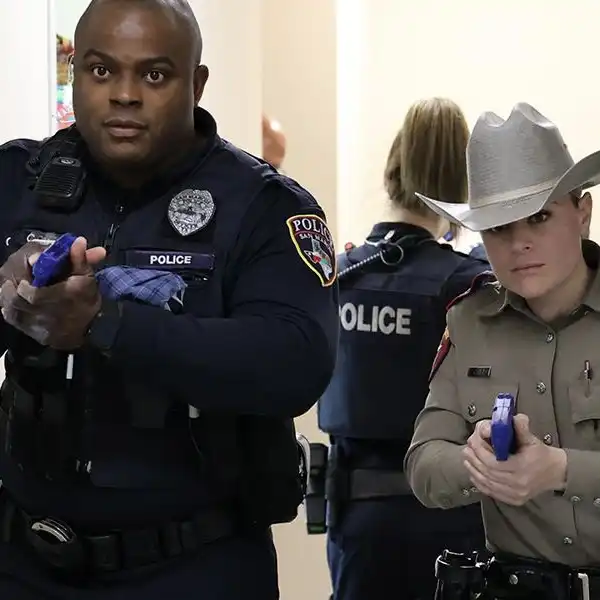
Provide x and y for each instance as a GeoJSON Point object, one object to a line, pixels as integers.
{"type": "Point", "coordinates": [71, 554]}
{"type": "Point", "coordinates": [509, 576]}
{"type": "Point", "coordinates": [365, 484]}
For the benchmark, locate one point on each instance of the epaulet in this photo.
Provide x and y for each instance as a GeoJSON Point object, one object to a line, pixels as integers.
{"type": "Point", "coordinates": [21, 144]}
{"type": "Point", "coordinates": [30, 145]}
{"type": "Point", "coordinates": [479, 281]}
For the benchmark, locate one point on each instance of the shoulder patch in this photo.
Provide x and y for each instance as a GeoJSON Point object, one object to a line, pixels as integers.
{"type": "Point", "coordinates": [479, 281]}
{"type": "Point", "coordinates": [314, 243]}
{"type": "Point", "coordinates": [441, 353]}
{"type": "Point", "coordinates": [349, 246]}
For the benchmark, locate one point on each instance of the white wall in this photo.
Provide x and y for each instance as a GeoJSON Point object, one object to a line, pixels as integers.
{"type": "Point", "coordinates": [299, 90]}
{"type": "Point", "coordinates": [232, 32]}
{"type": "Point", "coordinates": [486, 56]}
{"type": "Point", "coordinates": [26, 79]}
{"type": "Point", "coordinates": [67, 13]}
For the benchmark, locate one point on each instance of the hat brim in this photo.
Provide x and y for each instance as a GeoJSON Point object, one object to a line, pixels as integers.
{"type": "Point", "coordinates": [582, 175]}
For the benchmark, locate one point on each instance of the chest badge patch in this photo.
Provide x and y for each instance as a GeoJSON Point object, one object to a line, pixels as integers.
{"type": "Point", "coordinates": [190, 211]}
{"type": "Point", "coordinates": [314, 244]}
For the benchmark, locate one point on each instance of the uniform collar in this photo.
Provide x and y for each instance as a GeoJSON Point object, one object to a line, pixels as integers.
{"type": "Point", "coordinates": [591, 300]}
{"type": "Point", "coordinates": [380, 230]}
{"type": "Point", "coordinates": [207, 139]}
{"type": "Point", "coordinates": [591, 254]}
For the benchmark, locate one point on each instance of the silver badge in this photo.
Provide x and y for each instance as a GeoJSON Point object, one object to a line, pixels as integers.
{"type": "Point", "coordinates": [190, 211]}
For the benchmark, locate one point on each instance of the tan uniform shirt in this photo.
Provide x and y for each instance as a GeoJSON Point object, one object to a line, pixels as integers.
{"type": "Point", "coordinates": [543, 366]}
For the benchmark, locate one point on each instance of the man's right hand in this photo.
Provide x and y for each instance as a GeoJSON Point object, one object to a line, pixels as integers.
{"type": "Point", "coordinates": [17, 268]}
{"type": "Point", "coordinates": [46, 314]}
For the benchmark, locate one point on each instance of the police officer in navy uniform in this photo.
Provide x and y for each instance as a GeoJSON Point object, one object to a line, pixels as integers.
{"type": "Point", "coordinates": [146, 423]}
{"type": "Point", "coordinates": [394, 290]}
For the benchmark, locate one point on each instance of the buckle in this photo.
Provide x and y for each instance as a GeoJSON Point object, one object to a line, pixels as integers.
{"type": "Point", "coordinates": [52, 528]}
{"type": "Point", "coordinates": [584, 581]}
{"type": "Point", "coordinates": [56, 544]}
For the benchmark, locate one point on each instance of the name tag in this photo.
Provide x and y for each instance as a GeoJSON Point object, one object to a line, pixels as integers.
{"type": "Point", "coordinates": [169, 260]}
{"type": "Point", "coordinates": [480, 372]}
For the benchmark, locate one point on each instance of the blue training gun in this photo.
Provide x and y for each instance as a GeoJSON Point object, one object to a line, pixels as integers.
{"type": "Point", "coordinates": [53, 263]}
{"type": "Point", "coordinates": [503, 433]}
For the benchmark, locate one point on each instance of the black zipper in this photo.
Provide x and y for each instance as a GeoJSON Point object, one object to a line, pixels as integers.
{"type": "Point", "coordinates": [109, 238]}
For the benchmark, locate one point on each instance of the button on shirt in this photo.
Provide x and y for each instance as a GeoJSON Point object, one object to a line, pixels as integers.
{"type": "Point", "coordinates": [544, 366]}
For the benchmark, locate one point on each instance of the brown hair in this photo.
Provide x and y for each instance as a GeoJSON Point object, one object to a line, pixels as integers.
{"type": "Point", "coordinates": [428, 156]}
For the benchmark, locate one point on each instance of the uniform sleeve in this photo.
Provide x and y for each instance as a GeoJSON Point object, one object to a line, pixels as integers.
{"type": "Point", "coordinates": [274, 353]}
{"type": "Point", "coordinates": [583, 474]}
{"type": "Point", "coordinates": [434, 464]}
{"type": "Point", "coordinates": [13, 158]}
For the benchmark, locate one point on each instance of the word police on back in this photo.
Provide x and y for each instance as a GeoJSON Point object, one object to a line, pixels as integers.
{"type": "Point", "coordinates": [375, 319]}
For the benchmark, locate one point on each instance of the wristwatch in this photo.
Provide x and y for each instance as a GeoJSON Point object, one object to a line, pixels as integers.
{"type": "Point", "coordinates": [104, 328]}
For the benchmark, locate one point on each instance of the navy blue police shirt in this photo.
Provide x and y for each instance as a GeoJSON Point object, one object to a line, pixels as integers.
{"type": "Point", "coordinates": [271, 350]}
{"type": "Point", "coordinates": [392, 320]}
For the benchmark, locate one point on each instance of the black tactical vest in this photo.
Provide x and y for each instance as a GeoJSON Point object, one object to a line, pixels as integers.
{"type": "Point", "coordinates": [103, 429]}
{"type": "Point", "coordinates": [392, 318]}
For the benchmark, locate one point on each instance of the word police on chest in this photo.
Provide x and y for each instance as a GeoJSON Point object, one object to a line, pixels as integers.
{"type": "Point", "coordinates": [169, 260]}
{"type": "Point", "coordinates": [172, 259]}
{"type": "Point", "coordinates": [375, 319]}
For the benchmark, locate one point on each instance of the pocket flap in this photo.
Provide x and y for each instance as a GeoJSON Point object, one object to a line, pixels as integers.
{"type": "Point", "coordinates": [585, 405]}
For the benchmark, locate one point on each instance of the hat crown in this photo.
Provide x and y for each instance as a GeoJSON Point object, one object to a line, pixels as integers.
{"type": "Point", "coordinates": [524, 154]}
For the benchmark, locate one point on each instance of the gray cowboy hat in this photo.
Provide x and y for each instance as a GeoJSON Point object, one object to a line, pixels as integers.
{"type": "Point", "coordinates": [515, 167]}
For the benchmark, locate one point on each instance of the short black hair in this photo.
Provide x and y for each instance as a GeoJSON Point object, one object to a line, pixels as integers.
{"type": "Point", "coordinates": [180, 9]}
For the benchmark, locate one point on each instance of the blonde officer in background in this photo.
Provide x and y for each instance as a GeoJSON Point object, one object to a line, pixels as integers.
{"type": "Point", "coordinates": [533, 333]}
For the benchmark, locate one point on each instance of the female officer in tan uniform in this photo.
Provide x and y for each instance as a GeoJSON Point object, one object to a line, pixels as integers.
{"type": "Point", "coordinates": [535, 333]}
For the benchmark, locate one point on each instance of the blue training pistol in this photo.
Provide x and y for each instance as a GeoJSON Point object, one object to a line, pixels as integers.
{"type": "Point", "coordinates": [503, 433]}
{"type": "Point", "coordinates": [53, 262]}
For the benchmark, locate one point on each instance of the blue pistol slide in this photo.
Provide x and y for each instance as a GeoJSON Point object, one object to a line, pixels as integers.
{"type": "Point", "coordinates": [53, 262]}
{"type": "Point", "coordinates": [503, 434]}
